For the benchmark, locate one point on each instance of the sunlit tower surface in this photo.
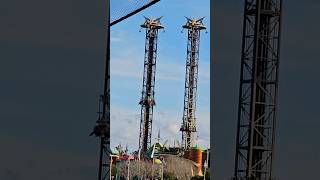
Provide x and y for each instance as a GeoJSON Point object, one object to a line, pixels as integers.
{"type": "Point", "coordinates": [188, 128]}
{"type": "Point", "coordinates": [147, 99]}
{"type": "Point", "coordinates": [258, 90]}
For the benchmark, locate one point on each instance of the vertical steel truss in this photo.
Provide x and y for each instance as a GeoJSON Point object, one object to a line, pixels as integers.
{"type": "Point", "coordinates": [258, 90]}
{"type": "Point", "coordinates": [188, 127]}
{"type": "Point", "coordinates": [102, 127]}
{"type": "Point", "coordinates": [147, 99]}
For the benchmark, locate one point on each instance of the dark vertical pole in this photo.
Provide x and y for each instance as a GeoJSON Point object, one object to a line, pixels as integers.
{"type": "Point", "coordinates": [102, 128]}
{"type": "Point", "coordinates": [240, 90]}
{"type": "Point", "coordinates": [278, 44]}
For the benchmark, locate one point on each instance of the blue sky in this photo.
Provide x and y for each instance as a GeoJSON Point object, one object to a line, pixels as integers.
{"type": "Point", "coordinates": [127, 53]}
{"type": "Point", "coordinates": [52, 70]}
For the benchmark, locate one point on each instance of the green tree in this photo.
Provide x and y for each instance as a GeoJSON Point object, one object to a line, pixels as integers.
{"type": "Point", "coordinates": [114, 170]}
{"type": "Point", "coordinates": [197, 178]}
{"type": "Point", "coordinates": [201, 177]}
{"type": "Point", "coordinates": [169, 176]}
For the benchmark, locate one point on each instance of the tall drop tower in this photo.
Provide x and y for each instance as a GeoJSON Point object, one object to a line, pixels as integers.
{"type": "Point", "coordinates": [258, 90]}
{"type": "Point", "coordinates": [147, 99]}
{"type": "Point", "coordinates": [188, 128]}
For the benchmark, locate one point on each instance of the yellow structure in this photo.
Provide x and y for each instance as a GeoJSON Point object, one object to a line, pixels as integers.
{"type": "Point", "coordinates": [195, 155]}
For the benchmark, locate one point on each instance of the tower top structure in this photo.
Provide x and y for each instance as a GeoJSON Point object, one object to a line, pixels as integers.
{"type": "Point", "coordinates": [152, 23]}
{"type": "Point", "coordinates": [194, 24]}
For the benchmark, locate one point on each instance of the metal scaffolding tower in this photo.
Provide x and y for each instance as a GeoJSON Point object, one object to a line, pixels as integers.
{"type": "Point", "coordinates": [258, 90]}
{"type": "Point", "coordinates": [102, 127]}
{"type": "Point", "coordinates": [147, 99]}
{"type": "Point", "coordinates": [188, 128]}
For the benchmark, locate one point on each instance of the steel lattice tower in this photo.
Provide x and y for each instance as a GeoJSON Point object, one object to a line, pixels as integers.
{"type": "Point", "coordinates": [188, 127]}
{"type": "Point", "coordinates": [258, 90]}
{"type": "Point", "coordinates": [102, 127]}
{"type": "Point", "coordinates": [147, 99]}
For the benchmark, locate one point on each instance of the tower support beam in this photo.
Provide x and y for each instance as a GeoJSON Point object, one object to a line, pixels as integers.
{"type": "Point", "coordinates": [258, 90]}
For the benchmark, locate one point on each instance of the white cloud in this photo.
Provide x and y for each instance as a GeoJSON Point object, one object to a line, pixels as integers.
{"type": "Point", "coordinates": [114, 39]}
{"type": "Point", "coordinates": [127, 64]}
{"type": "Point", "coordinates": [130, 65]}
{"type": "Point", "coordinates": [174, 127]}
{"type": "Point", "coordinates": [125, 124]}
